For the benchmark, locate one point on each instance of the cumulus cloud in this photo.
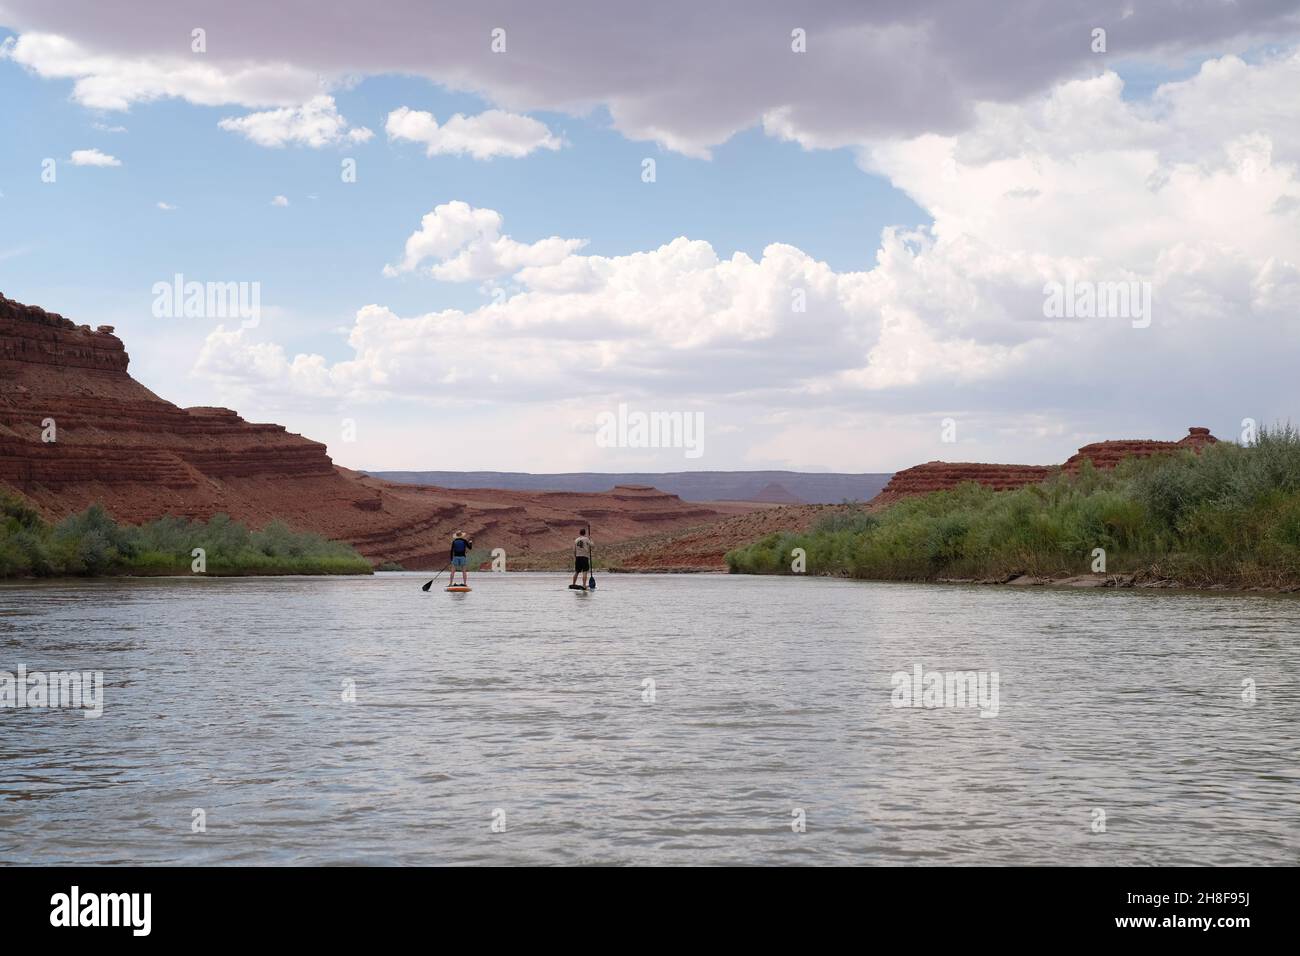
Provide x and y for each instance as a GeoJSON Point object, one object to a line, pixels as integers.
{"type": "Point", "coordinates": [680, 73]}
{"type": "Point", "coordinates": [678, 319]}
{"type": "Point", "coordinates": [466, 244]}
{"type": "Point", "coordinates": [674, 317]}
{"type": "Point", "coordinates": [227, 354]}
{"type": "Point", "coordinates": [165, 206]}
{"type": "Point", "coordinates": [485, 136]}
{"type": "Point", "coordinates": [93, 157]}
{"type": "Point", "coordinates": [316, 123]}
{"type": "Point", "coordinates": [1077, 186]}
{"type": "Point", "coordinates": [279, 200]}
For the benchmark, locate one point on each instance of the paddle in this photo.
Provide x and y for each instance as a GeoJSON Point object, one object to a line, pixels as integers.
{"type": "Point", "coordinates": [591, 574]}
{"type": "Point", "coordinates": [429, 584]}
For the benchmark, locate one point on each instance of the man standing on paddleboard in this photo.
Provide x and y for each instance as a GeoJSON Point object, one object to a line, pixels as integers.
{"type": "Point", "coordinates": [460, 549]}
{"type": "Point", "coordinates": [581, 558]}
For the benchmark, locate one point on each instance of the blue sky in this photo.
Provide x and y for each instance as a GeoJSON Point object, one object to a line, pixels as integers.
{"type": "Point", "coordinates": [320, 258]}
{"type": "Point", "coordinates": [922, 197]}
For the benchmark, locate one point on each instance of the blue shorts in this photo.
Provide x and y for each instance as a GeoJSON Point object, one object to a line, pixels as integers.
{"type": "Point", "coordinates": [460, 561]}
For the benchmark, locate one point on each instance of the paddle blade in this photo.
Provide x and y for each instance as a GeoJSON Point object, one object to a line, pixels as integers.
{"type": "Point", "coordinates": [591, 582]}
{"type": "Point", "coordinates": [427, 586]}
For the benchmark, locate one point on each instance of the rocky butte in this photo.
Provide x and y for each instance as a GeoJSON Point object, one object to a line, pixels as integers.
{"type": "Point", "coordinates": [943, 475]}
{"type": "Point", "coordinates": [117, 443]}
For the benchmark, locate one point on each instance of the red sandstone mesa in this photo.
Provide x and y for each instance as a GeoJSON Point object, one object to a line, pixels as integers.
{"type": "Point", "coordinates": [142, 457]}
{"type": "Point", "coordinates": [942, 475]}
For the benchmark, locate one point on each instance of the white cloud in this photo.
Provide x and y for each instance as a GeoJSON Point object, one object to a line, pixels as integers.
{"type": "Point", "coordinates": [165, 206]}
{"type": "Point", "coordinates": [1080, 184]}
{"type": "Point", "coordinates": [466, 244]}
{"type": "Point", "coordinates": [279, 201]}
{"type": "Point", "coordinates": [316, 123]}
{"type": "Point", "coordinates": [227, 355]}
{"type": "Point", "coordinates": [93, 157]}
{"type": "Point", "coordinates": [676, 317]}
{"type": "Point", "coordinates": [487, 135]}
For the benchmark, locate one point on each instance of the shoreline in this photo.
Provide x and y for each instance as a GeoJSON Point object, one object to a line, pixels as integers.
{"type": "Point", "coordinates": [259, 573]}
{"type": "Point", "coordinates": [1086, 582]}
{"type": "Point", "coordinates": [1126, 581]}
{"type": "Point", "coordinates": [1120, 582]}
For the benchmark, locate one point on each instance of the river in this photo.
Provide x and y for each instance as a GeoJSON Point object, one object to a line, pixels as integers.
{"type": "Point", "coordinates": [677, 719]}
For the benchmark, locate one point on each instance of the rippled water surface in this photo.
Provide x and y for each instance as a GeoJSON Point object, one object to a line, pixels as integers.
{"type": "Point", "coordinates": [525, 702]}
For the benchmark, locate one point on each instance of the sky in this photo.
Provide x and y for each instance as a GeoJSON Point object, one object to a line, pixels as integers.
{"type": "Point", "coordinates": [831, 236]}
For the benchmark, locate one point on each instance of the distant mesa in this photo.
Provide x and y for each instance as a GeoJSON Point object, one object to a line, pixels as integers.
{"type": "Point", "coordinates": [943, 476]}
{"type": "Point", "coordinates": [777, 494]}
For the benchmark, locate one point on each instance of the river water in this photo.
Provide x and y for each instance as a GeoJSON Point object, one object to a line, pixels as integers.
{"type": "Point", "coordinates": [678, 719]}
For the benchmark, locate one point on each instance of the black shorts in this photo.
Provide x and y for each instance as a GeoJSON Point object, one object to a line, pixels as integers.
{"type": "Point", "coordinates": [581, 563]}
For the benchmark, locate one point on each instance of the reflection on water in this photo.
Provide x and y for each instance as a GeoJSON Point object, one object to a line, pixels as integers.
{"type": "Point", "coordinates": [671, 719]}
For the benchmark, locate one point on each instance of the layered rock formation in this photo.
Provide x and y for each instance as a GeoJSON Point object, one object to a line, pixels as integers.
{"type": "Point", "coordinates": [76, 429]}
{"type": "Point", "coordinates": [1108, 454]}
{"type": "Point", "coordinates": [941, 475]}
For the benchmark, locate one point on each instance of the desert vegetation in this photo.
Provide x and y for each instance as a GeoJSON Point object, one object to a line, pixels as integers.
{"type": "Point", "coordinates": [92, 543]}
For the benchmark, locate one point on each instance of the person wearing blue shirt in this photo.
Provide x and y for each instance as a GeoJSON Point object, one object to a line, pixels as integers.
{"type": "Point", "coordinates": [460, 549]}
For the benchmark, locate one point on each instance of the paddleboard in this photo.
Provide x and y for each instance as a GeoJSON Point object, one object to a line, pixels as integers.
{"type": "Point", "coordinates": [577, 587]}
{"type": "Point", "coordinates": [458, 587]}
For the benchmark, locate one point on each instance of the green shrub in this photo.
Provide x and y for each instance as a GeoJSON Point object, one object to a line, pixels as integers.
{"type": "Point", "coordinates": [92, 543]}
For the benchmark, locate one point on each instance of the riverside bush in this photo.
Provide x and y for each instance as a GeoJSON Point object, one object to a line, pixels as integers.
{"type": "Point", "coordinates": [92, 543]}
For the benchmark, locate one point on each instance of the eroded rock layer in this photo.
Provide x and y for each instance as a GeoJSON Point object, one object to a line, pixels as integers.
{"type": "Point", "coordinates": [1108, 454]}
